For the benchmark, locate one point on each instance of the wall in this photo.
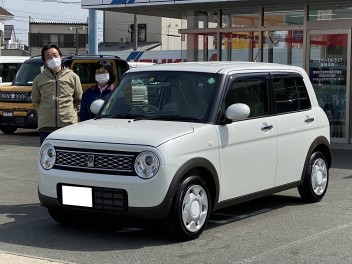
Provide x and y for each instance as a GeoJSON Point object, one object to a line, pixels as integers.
{"type": "Point", "coordinates": [117, 25]}
{"type": "Point", "coordinates": [58, 29]}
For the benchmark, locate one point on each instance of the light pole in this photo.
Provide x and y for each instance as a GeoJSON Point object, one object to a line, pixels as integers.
{"type": "Point", "coordinates": [77, 36]}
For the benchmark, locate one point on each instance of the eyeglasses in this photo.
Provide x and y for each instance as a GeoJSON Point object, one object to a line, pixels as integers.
{"type": "Point", "coordinates": [50, 56]}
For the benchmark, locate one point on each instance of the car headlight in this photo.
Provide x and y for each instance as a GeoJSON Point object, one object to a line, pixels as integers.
{"type": "Point", "coordinates": [146, 164]}
{"type": "Point", "coordinates": [47, 156]}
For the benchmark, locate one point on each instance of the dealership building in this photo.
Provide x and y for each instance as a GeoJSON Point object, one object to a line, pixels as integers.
{"type": "Point", "coordinates": [314, 34]}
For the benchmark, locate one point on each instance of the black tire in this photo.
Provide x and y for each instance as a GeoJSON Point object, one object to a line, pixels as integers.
{"type": "Point", "coordinates": [316, 179]}
{"type": "Point", "coordinates": [8, 130]}
{"type": "Point", "coordinates": [190, 211]}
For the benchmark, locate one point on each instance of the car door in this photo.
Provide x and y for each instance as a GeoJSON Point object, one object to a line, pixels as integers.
{"type": "Point", "coordinates": [248, 148]}
{"type": "Point", "coordinates": [297, 125]}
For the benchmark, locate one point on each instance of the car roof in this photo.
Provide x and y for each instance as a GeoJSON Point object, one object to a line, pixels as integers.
{"type": "Point", "coordinates": [13, 59]}
{"type": "Point", "coordinates": [90, 57]}
{"type": "Point", "coordinates": [216, 67]}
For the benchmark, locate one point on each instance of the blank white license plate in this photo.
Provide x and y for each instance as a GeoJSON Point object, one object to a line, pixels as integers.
{"type": "Point", "coordinates": [77, 196]}
{"type": "Point", "coordinates": [7, 113]}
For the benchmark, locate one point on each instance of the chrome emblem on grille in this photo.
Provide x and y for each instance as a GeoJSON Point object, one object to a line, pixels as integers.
{"type": "Point", "coordinates": [90, 161]}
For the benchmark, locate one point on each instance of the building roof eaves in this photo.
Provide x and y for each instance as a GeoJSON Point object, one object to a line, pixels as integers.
{"type": "Point", "coordinates": [4, 13]}
{"type": "Point", "coordinates": [59, 23]}
{"type": "Point", "coordinates": [118, 46]}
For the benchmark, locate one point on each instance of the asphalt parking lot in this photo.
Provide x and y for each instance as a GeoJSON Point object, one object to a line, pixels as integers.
{"type": "Point", "coordinates": [276, 229]}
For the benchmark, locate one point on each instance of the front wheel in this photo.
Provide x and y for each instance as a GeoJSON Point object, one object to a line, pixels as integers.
{"type": "Point", "coordinates": [8, 130]}
{"type": "Point", "coordinates": [191, 209]}
{"type": "Point", "coordinates": [316, 178]}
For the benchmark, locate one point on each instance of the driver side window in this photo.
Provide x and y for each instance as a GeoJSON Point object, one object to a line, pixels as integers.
{"type": "Point", "coordinates": [250, 91]}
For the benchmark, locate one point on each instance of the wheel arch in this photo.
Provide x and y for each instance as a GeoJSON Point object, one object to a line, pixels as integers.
{"type": "Point", "coordinates": [200, 167]}
{"type": "Point", "coordinates": [320, 144]}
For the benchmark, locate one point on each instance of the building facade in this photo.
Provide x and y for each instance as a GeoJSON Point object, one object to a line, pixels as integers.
{"type": "Point", "coordinates": [71, 38]}
{"type": "Point", "coordinates": [314, 34]}
{"type": "Point", "coordinates": [4, 15]}
{"type": "Point", "coordinates": [119, 27]}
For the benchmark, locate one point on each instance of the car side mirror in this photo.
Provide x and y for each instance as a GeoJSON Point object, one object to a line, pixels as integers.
{"type": "Point", "coordinates": [237, 112]}
{"type": "Point", "coordinates": [96, 105]}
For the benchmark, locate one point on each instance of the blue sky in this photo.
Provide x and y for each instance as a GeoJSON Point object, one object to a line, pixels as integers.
{"type": "Point", "coordinates": [45, 11]}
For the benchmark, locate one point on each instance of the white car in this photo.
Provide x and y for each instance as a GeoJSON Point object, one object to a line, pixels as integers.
{"type": "Point", "coordinates": [209, 135]}
{"type": "Point", "coordinates": [138, 64]}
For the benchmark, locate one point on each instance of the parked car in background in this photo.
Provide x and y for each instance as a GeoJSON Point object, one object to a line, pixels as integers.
{"type": "Point", "coordinates": [9, 65]}
{"type": "Point", "coordinates": [209, 135]}
{"type": "Point", "coordinates": [16, 107]}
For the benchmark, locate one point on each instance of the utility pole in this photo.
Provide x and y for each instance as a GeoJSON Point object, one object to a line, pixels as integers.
{"type": "Point", "coordinates": [135, 33]}
{"type": "Point", "coordinates": [77, 40]}
{"type": "Point", "coordinates": [93, 32]}
{"type": "Point", "coordinates": [77, 36]}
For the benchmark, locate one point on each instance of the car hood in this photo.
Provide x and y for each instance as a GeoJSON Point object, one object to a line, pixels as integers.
{"type": "Point", "coordinates": [124, 131]}
{"type": "Point", "coordinates": [15, 88]}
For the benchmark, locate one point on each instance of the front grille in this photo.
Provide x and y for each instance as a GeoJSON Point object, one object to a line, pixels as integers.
{"type": "Point", "coordinates": [16, 97]}
{"type": "Point", "coordinates": [108, 199]}
{"type": "Point", "coordinates": [95, 161]}
{"type": "Point", "coordinates": [14, 120]}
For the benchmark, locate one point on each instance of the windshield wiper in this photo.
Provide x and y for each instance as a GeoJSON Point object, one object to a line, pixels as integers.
{"type": "Point", "coordinates": [146, 117]}
{"type": "Point", "coordinates": [167, 117]}
{"type": "Point", "coordinates": [123, 116]}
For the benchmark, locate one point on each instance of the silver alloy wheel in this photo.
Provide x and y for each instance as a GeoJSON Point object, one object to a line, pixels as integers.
{"type": "Point", "coordinates": [319, 176]}
{"type": "Point", "coordinates": [195, 208]}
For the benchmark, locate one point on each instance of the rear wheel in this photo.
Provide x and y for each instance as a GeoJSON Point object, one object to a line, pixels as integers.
{"type": "Point", "coordinates": [8, 130]}
{"type": "Point", "coordinates": [191, 209]}
{"type": "Point", "coordinates": [316, 179]}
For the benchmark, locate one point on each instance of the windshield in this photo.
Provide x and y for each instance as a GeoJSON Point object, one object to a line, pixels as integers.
{"type": "Point", "coordinates": [27, 72]}
{"type": "Point", "coordinates": [182, 96]}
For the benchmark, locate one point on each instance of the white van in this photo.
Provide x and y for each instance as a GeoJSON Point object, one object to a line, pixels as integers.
{"type": "Point", "coordinates": [9, 66]}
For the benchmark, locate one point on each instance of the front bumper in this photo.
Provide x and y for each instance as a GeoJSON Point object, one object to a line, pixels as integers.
{"type": "Point", "coordinates": [134, 213]}
{"type": "Point", "coordinates": [19, 118]}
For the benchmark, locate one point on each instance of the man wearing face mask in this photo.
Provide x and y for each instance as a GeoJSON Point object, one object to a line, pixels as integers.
{"type": "Point", "coordinates": [105, 77]}
{"type": "Point", "coordinates": [56, 93]}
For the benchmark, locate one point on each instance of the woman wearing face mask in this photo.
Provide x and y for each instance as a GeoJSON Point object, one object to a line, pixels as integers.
{"type": "Point", "coordinates": [56, 93]}
{"type": "Point", "coordinates": [104, 76]}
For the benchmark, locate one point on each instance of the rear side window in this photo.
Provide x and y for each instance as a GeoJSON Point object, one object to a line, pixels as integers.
{"type": "Point", "coordinates": [251, 91]}
{"type": "Point", "coordinates": [290, 94]}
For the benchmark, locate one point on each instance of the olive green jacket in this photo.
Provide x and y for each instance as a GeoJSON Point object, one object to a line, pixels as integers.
{"type": "Point", "coordinates": [57, 99]}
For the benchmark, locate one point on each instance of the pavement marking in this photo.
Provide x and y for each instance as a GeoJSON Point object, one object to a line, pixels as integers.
{"type": "Point", "coordinates": [295, 243]}
{"type": "Point", "coordinates": [11, 258]}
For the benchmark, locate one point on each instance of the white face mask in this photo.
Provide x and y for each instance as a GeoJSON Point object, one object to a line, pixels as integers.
{"type": "Point", "coordinates": [54, 63]}
{"type": "Point", "coordinates": [102, 78]}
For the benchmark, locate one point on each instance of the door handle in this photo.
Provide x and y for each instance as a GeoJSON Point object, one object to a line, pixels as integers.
{"type": "Point", "coordinates": [266, 127]}
{"type": "Point", "coordinates": [308, 119]}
